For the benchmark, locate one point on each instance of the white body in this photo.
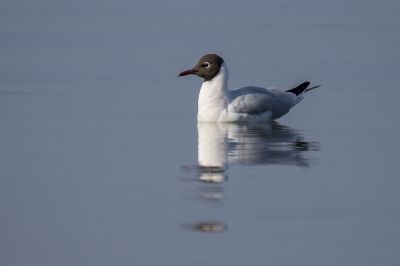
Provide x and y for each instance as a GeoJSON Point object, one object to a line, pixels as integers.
{"type": "Point", "coordinates": [248, 104]}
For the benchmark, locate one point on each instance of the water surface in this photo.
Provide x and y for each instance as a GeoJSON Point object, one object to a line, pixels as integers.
{"type": "Point", "coordinates": [103, 162]}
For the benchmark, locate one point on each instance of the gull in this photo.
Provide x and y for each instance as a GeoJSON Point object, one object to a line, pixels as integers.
{"type": "Point", "coordinates": [217, 103]}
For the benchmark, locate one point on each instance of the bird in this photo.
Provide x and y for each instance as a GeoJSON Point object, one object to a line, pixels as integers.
{"type": "Point", "coordinates": [216, 103]}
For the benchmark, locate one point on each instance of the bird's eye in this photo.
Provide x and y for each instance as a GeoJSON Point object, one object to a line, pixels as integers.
{"type": "Point", "coordinates": [205, 65]}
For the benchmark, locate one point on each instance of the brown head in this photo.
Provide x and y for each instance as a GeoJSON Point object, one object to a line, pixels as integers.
{"type": "Point", "coordinates": [207, 67]}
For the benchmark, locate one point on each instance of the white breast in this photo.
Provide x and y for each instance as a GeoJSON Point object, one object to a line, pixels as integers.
{"type": "Point", "coordinates": [213, 98]}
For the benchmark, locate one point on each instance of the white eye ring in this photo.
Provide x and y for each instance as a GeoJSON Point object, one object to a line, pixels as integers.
{"type": "Point", "coordinates": [205, 65]}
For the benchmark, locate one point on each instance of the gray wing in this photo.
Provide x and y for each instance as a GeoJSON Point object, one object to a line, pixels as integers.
{"type": "Point", "coordinates": [251, 100]}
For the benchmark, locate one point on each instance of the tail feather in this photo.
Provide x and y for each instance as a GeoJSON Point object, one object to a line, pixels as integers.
{"type": "Point", "coordinates": [308, 89]}
{"type": "Point", "coordinates": [303, 87]}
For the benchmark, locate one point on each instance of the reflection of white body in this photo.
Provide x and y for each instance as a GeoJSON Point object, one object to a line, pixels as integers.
{"type": "Point", "coordinates": [211, 149]}
{"type": "Point", "coordinates": [211, 152]}
{"type": "Point", "coordinates": [221, 144]}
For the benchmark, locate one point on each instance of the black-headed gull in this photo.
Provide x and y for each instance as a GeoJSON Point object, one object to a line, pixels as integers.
{"type": "Point", "coordinates": [248, 104]}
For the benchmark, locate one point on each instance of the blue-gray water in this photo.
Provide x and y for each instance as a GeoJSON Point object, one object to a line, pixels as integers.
{"type": "Point", "coordinates": [99, 140]}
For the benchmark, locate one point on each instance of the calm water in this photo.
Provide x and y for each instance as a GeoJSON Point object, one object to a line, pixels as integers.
{"type": "Point", "coordinates": [103, 163]}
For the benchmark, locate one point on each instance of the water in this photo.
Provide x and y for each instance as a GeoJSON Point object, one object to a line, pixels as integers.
{"type": "Point", "coordinates": [103, 163]}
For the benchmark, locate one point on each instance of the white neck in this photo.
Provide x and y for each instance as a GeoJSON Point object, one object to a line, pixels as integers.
{"type": "Point", "coordinates": [213, 97]}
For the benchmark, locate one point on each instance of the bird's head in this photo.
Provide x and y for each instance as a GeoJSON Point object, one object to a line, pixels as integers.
{"type": "Point", "coordinates": [207, 67]}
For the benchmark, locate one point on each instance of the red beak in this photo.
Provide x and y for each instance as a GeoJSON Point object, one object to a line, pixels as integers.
{"type": "Point", "coordinates": [186, 72]}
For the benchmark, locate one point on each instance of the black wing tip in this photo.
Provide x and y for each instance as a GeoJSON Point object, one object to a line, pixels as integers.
{"type": "Point", "coordinates": [299, 89]}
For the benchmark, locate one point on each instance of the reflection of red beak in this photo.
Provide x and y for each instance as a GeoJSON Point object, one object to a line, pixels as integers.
{"type": "Point", "coordinates": [186, 72]}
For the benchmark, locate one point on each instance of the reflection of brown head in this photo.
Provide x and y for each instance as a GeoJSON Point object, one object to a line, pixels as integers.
{"type": "Point", "coordinates": [206, 227]}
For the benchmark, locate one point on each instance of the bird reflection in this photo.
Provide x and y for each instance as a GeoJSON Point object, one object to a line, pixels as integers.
{"type": "Point", "coordinates": [206, 227]}
{"type": "Point", "coordinates": [220, 145]}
